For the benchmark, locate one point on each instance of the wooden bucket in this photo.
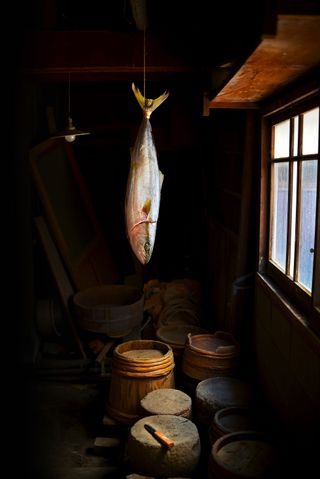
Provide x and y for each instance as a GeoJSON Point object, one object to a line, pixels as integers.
{"type": "Point", "coordinates": [213, 394]}
{"type": "Point", "coordinates": [209, 355]}
{"type": "Point", "coordinates": [138, 367]}
{"type": "Point", "coordinates": [235, 419]}
{"type": "Point", "coordinates": [243, 455]}
{"type": "Point", "coordinates": [176, 335]}
{"type": "Point", "coordinates": [114, 310]}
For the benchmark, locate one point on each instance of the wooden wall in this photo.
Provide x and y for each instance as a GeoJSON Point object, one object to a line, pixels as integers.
{"type": "Point", "coordinates": [230, 171]}
{"type": "Point", "coordinates": [288, 369]}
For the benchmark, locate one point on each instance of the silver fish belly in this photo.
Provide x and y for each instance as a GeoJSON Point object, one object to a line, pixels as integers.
{"type": "Point", "coordinates": [144, 186]}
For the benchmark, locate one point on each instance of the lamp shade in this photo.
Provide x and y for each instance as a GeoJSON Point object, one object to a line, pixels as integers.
{"type": "Point", "coordinates": [70, 132]}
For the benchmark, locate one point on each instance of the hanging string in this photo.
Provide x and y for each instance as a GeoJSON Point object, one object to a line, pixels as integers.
{"type": "Point", "coordinates": [144, 63]}
{"type": "Point", "coordinates": [68, 94]}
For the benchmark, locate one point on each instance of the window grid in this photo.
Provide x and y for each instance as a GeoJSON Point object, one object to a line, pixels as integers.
{"type": "Point", "coordinates": [296, 160]}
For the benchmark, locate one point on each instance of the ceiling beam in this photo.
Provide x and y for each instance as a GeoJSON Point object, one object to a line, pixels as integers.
{"type": "Point", "coordinates": [276, 62]}
{"type": "Point", "coordinates": [102, 54]}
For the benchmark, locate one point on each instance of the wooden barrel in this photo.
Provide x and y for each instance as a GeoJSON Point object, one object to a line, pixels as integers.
{"type": "Point", "coordinates": [147, 456]}
{"type": "Point", "coordinates": [138, 367]}
{"type": "Point", "coordinates": [209, 355]}
{"type": "Point", "coordinates": [243, 455]}
{"type": "Point", "coordinates": [217, 393]}
{"type": "Point", "coordinates": [167, 401]}
{"type": "Point", "coordinates": [114, 310]}
{"type": "Point", "coordinates": [235, 419]}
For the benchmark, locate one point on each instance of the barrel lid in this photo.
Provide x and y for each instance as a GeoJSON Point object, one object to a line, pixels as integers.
{"type": "Point", "coordinates": [223, 391]}
{"type": "Point", "coordinates": [245, 454]}
{"type": "Point", "coordinates": [233, 419]}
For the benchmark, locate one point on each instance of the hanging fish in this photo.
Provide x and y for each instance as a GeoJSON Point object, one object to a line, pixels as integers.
{"type": "Point", "coordinates": [144, 184]}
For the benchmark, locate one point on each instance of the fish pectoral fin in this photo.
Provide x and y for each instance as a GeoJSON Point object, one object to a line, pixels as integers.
{"type": "Point", "coordinates": [146, 222]}
{"type": "Point", "coordinates": [147, 206]}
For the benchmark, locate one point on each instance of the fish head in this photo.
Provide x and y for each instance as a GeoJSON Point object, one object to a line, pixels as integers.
{"type": "Point", "coordinates": [143, 250]}
{"type": "Point", "coordinates": [142, 243]}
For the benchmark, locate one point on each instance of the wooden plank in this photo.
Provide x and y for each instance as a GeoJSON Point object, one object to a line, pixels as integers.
{"type": "Point", "coordinates": [103, 445]}
{"type": "Point", "coordinates": [242, 285]}
{"type": "Point", "coordinates": [71, 215]}
{"type": "Point", "coordinates": [63, 284]}
{"type": "Point", "coordinates": [109, 421]}
{"type": "Point", "coordinates": [106, 348]}
{"type": "Point", "coordinates": [276, 62]}
{"type": "Point", "coordinates": [235, 105]}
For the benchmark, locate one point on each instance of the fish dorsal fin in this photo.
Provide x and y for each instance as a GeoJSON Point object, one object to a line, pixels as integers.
{"type": "Point", "coordinates": [148, 105]}
{"type": "Point", "coordinates": [161, 177]}
{"type": "Point", "coordinates": [147, 206]}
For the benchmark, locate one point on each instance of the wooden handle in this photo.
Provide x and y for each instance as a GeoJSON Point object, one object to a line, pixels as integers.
{"type": "Point", "coordinates": [163, 439]}
{"type": "Point", "coordinates": [159, 436]}
{"type": "Point", "coordinates": [226, 349]}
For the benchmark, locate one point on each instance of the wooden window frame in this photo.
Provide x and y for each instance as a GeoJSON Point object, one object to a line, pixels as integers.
{"type": "Point", "coordinates": [274, 113]}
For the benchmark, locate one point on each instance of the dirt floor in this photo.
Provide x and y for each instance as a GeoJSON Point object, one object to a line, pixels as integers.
{"type": "Point", "coordinates": [59, 412]}
{"type": "Point", "coordinates": [63, 414]}
{"type": "Point", "coordinates": [64, 411]}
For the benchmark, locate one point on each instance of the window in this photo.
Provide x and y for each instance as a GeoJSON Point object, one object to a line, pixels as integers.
{"type": "Point", "coordinates": [292, 234]}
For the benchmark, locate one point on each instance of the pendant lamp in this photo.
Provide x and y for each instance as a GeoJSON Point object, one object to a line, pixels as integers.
{"type": "Point", "coordinates": [70, 132]}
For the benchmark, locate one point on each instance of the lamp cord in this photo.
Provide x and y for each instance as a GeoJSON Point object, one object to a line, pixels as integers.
{"type": "Point", "coordinates": [69, 95]}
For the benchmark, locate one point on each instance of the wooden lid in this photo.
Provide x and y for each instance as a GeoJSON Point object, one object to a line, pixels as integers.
{"type": "Point", "coordinates": [222, 391]}
{"type": "Point", "coordinates": [143, 354]}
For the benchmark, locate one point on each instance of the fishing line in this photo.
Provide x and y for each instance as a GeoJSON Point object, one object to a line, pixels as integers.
{"type": "Point", "coordinates": [144, 65]}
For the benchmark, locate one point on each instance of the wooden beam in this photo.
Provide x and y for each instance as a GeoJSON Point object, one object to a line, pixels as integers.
{"type": "Point", "coordinates": [275, 63]}
{"type": "Point", "coordinates": [64, 286]}
{"type": "Point", "coordinates": [247, 105]}
{"type": "Point", "coordinates": [52, 54]}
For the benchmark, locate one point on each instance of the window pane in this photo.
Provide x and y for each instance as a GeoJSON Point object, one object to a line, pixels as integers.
{"type": "Point", "coordinates": [281, 133]}
{"type": "Point", "coordinates": [310, 137]}
{"type": "Point", "coordinates": [307, 222]}
{"type": "Point", "coordinates": [293, 217]}
{"type": "Point", "coordinates": [295, 135]}
{"type": "Point", "coordinates": [280, 213]}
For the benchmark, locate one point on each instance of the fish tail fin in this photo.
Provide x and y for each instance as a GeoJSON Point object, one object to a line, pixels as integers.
{"type": "Point", "coordinates": [148, 105]}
